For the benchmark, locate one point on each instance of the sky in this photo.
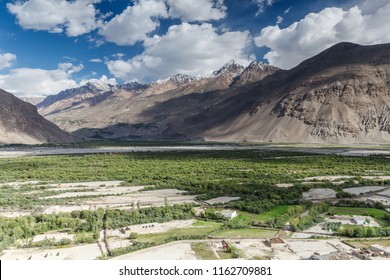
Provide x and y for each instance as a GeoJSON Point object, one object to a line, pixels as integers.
{"type": "Point", "coordinates": [50, 45]}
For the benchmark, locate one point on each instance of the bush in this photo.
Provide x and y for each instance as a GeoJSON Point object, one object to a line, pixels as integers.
{"type": "Point", "coordinates": [133, 235]}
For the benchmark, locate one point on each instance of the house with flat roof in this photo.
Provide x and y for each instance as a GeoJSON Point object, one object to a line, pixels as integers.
{"type": "Point", "coordinates": [228, 214]}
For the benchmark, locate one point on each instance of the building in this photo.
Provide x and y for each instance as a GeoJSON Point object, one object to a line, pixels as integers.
{"type": "Point", "coordinates": [228, 214]}
{"type": "Point", "coordinates": [359, 220]}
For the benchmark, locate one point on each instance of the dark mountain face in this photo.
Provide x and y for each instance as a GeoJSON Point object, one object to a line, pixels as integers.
{"type": "Point", "coordinates": [339, 96]}
{"type": "Point", "coordinates": [21, 123]}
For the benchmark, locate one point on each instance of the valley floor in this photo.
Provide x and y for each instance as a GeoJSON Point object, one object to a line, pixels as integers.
{"type": "Point", "coordinates": [166, 202]}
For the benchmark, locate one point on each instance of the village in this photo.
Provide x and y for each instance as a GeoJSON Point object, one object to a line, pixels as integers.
{"type": "Point", "coordinates": [214, 232]}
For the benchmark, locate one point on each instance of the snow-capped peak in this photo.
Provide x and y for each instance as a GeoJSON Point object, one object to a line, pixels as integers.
{"type": "Point", "coordinates": [181, 79]}
{"type": "Point", "coordinates": [230, 67]}
{"type": "Point", "coordinates": [178, 79]}
{"type": "Point", "coordinates": [257, 64]}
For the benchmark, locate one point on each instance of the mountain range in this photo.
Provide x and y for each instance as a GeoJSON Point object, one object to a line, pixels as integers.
{"type": "Point", "coordinates": [121, 110]}
{"type": "Point", "coordinates": [341, 95]}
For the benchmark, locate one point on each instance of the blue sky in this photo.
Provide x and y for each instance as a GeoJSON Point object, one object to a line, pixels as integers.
{"type": "Point", "coordinates": [50, 45]}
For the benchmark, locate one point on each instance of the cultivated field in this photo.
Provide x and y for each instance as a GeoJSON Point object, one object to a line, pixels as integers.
{"type": "Point", "coordinates": [157, 202]}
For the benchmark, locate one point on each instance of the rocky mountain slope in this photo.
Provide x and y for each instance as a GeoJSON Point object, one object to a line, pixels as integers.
{"type": "Point", "coordinates": [21, 123]}
{"type": "Point", "coordinates": [341, 95]}
{"type": "Point", "coordinates": [118, 111]}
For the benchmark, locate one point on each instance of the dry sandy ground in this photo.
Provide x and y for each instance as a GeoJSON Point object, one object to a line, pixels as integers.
{"type": "Point", "coordinates": [385, 193]}
{"type": "Point", "coordinates": [319, 193]}
{"type": "Point", "coordinates": [127, 201]}
{"type": "Point", "coordinates": [84, 252]}
{"type": "Point", "coordinates": [145, 198]}
{"type": "Point", "coordinates": [284, 185]}
{"type": "Point", "coordinates": [338, 177]}
{"type": "Point", "coordinates": [360, 190]}
{"type": "Point", "coordinates": [291, 250]}
{"type": "Point", "coordinates": [377, 198]}
{"type": "Point", "coordinates": [250, 247]}
{"type": "Point", "coordinates": [152, 228]}
{"type": "Point", "coordinates": [18, 184]}
{"type": "Point", "coordinates": [181, 250]}
{"type": "Point", "coordinates": [222, 199]}
{"type": "Point", "coordinates": [14, 214]}
{"type": "Point", "coordinates": [94, 184]}
{"type": "Point", "coordinates": [66, 186]}
{"type": "Point", "coordinates": [57, 236]}
{"type": "Point", "coordinates": [172, 251]}
{"type": "Point", "coordinates": [327, 178]}
{"type": "Point", "coordinates": [297, 249]}
{"type": "Point", "coordinates": [97, 191]}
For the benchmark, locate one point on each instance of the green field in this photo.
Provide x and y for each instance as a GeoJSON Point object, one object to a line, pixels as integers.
{"type": "Point", "coordinates": [245, 233]}
{"type": "Point", "coordinates": [248, 218]}
{"type": "Point", "coordinates": [350, 211]}
{"type": "Point", "coordinates": [277, 211]}
{"type": "Point", "coordinates": [199, 229]}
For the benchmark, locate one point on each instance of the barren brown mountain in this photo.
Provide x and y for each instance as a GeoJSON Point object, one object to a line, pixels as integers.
{"type": "Point", "coordinates": [342, 95]}
{"type": "Point", "coordinates": [119, 111]}
{"type": "Point", "coordinates": [21, 123]}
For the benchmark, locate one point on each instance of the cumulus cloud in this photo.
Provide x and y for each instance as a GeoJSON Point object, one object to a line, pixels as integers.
{"type": "Point", "coordinates": [103, 80]}
{"type": "Point", "coordinates": [73, 17]}
{"type": "Point", "coordinates": [39, 82]}
{"type": "Point", "coordinates": [200, 10]}
{"type": "Point", "coordinates": [192, 49]}
{"type": "Point", "coordinates": [135, 22]}
{"type": "Point", "coordinates": [318, 31]}
{"type": "Point", "coordinates": [6, 60]}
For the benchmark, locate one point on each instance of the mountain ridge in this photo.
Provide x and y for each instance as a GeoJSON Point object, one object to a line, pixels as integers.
{"type": "Point", "coordinates": [20, 123]}
{"type": "Point", "coordinates": [341, 95]}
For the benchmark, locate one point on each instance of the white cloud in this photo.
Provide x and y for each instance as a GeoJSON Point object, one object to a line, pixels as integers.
{"type": "Point", "coordinates": [73, 17]}
{"type": "Point", "coordinates": [370, 6]}
{"type": "Point", "coordinates": [96, 60]}
{"type": "Point", "coordinates": [199, 10]}
{"type": "Point", "coordinates": [135, 22]}
{"type": "Point", "coordinates": [287, 10]}
{"type": "Point", "coordinates": [102, 81]}
{"type": "Point", "coordinates": [118, 55]}
{"type": "Point", "coordinates": [6, 60]}
{"type": "Point", "coordinates": [279, 19]}
{"type": "Point", "coordinates": [190, 49]}
{"type": "Point", "coordinates": [261, 4]}
{"type": "Point", "coordinates": [39, 82]}
{"type": "Point", "coordinates": [318, 31]}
